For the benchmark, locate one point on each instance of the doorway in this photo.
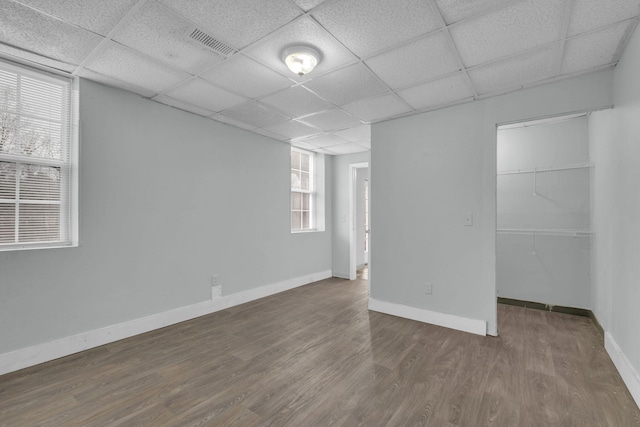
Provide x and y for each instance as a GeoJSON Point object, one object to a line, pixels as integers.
{"type": "Point", "coordinates": [543, 213]}
{"type": "Point", "coordinates": [359, 208]}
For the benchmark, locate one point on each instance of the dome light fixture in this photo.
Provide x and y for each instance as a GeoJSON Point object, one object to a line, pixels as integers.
{"type": "Point", "coordinates": [301, 59]}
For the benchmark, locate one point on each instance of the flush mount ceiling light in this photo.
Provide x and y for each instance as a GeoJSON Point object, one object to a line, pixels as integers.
{"type": "Point", "coordinates": [301, 59]}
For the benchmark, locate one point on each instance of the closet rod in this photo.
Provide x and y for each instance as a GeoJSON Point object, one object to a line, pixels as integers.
{"type": "Point", "coordinates": [547, 169]}
{"type": "Point", "coordinates": [546, 232]}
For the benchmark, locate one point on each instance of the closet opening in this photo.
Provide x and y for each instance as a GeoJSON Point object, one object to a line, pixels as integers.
{"type": "Point", "coordinates": [544, 232]}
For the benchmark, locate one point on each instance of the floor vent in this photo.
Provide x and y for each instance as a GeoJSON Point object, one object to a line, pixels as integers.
{"type": "Point", "coordinates": [211, 42]}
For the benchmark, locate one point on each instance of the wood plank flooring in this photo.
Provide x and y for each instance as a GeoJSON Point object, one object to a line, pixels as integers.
{"type": "Point", "coordinates": [315, 356]}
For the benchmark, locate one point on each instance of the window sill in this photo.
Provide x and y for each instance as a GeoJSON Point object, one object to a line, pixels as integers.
{"type": "Point", "coordinates": [35, 247]}
{"type": "Point", "coordinates": [315, 230]}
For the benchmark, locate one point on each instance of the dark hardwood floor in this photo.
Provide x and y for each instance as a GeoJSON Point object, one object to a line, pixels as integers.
{"type": "Point", "coordinates": [315, 356]}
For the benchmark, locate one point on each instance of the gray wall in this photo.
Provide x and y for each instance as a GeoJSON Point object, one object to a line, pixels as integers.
{"type": "Point", "coordinates": [615, 148]}
{"type": "Point", "coordinates": [543, 268]}
{"type": "Point", "coordinates": [341, 210]}
{"type": "Point", "coordinates": [427, 172]}
{"type": "Point", "coordinates": [167, 199]}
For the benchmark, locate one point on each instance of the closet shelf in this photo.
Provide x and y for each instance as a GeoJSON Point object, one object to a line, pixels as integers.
{"type": "Point", "coordinates": [547, 169]}
{"type": "Point", "coordinates": [546, 231]}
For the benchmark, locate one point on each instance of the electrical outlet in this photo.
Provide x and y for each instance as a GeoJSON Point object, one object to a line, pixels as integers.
{"type": "Point", "coordinates": [428, 288]}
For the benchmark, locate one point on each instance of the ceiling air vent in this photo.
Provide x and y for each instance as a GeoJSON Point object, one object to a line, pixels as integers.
{"type": "Point", "coordinates": [211, 42]}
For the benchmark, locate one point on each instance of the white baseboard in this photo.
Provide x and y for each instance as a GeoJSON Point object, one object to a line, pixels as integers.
{"type": "Point", "coordinates": [340, 275]}
{"type": "Point", "coordinates": [624, 367]}
{"type": "Point", "coordinates": [30, 356]}
{"type": "Point", "coordinates": [473, 326]}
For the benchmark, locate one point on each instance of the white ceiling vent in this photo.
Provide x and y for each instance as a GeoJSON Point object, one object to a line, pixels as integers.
{"type": "Point", "coordinates": [211, 42]}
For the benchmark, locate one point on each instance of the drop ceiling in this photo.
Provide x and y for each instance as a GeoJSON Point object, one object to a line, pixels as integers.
{"type": "Point", "coordinates": [380, 58]}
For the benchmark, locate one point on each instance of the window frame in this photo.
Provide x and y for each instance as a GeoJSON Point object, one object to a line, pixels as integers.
{"type": "Point", "coordinates": [68, 201]}
{"type": "Point", "coordinates": [312, 192]}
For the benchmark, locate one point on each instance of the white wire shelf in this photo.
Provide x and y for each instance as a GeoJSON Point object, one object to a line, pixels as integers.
{"type": "Point", "coordinates": [546, 231]}
{"type": "Point", "coordinates": [547, 169]}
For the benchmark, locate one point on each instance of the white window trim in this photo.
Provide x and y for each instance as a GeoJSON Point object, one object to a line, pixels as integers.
{"type": "Point", "coordinates": [72, 185]}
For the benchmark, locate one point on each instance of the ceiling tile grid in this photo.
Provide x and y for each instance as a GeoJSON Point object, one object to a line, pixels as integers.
{"type": "Point", "coordinates": [348, 84]}
{"type": "Point", "coordinates": [302, 31]}
{"type": "Point", "coordinates": [242, 75]}
{"type": "Point", "coordinates": [378, 59]}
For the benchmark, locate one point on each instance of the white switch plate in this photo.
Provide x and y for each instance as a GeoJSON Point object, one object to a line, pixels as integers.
{"type": "Point", "coordinates": [468, 220]}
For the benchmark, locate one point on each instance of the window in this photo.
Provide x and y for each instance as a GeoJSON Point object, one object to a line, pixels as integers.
{"type": "Point", "coordinates": [302, 190]}
{"type": "Point", "coordinates": [35, 158]}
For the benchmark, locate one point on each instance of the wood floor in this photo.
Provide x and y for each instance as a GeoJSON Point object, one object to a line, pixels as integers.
{"type": "Point", "coordinates": [315, 356]}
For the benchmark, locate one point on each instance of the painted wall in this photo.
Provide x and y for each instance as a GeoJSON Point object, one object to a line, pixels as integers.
{"type": "Point", "coordinates": [547, 269]}
{"type": "Point", "coordinates": [362, 174]}
{"type": "Point", "coordinates": [340, 254]}
{"type": "Point", "coordinates": [167, 199]}
{"type": "Point", "coordinates": [427, 172]}
{"type": "Point", "coordinates": [615, 145]}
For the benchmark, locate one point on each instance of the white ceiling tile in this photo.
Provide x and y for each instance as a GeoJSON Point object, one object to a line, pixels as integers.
{"type": "Point", "coordinates": [594, 49]}
{"type": "Point", "coordinates": [307, 5]}
{"type": "Point", "coordinates": [417, 62]}
{"type": "Point", "coordinates": [373, 109]}
{"type": "Point", "coordinates": [117, 61]}
{"type": "Point", "coordinates": [158, 32]}
{"type": "Point", "coordinates": [366, 26]}
{"type": "Point", "coordinates": [111, 81]}
{"type": "Point", "coordinates": [27, 29]}
{"type": "Point", "coordinates": [245, 76]}
{"type": "Point", "coordinates": [456, 10]}
{"type": "Point", "coordinates": [355, 134]}
{"type": "Point", "coordinates": [10, 52]}
{"type": "Point", "coordinates": [365, 143]}
{"type": "Point", "coordinates": [237, 22]}
{"type": "Point", "coordinates": [255, 114]}
{"type": "Point", "coordinates": [204, 95]}
{"type": "Point", "coordinates": [296, 102]}
{"type": "Point", "coordinates": [232, 122]}
{"type": "Point", "coordinates": [516, 71]}
{"type": "Point", "coordinates": [591, 14]}
{"type": "Point", "coordinates": [516, 28]}
{"type": "Point", "coordinates": [347, 85]}
{"type": "Point", "coordinates": [99, 16]}
{"type": "Point", "coordinates": [438, 92]}
{"type": "Point", "coordinates": [306, 32]}
{"type": "Point", "coordinates": [292, 129]}
{"type": "Point", "coordinates": [176, 103]}
{"type": "Point", "coordinates": [348, 148]}
{"type": "Point", "coordinates": [324, 140]}
{"type": "Point", "coordinates": [330, 120]}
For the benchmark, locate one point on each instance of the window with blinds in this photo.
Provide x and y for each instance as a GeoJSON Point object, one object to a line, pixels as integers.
{"type": "Point", "coordinates": [35, 158]}
{"type": "Point", "coordinates": [302, 190]}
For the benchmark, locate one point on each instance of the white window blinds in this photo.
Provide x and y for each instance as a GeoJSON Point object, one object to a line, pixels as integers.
{"type": "Point", "coordinates": [35, 160]}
